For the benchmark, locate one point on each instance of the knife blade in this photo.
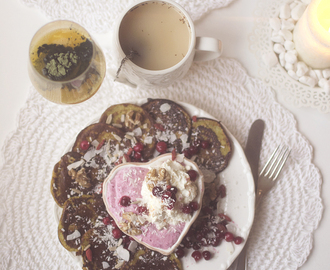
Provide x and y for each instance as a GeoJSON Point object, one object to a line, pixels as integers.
{"type": "Point", "coordinates": [253, 147]}
{"type": "Point", "coordinates": [252, 153]}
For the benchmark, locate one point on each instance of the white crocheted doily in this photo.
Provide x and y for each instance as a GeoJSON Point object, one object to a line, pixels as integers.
{"type": "Point", "coordinates": [282, 234]}
{"type": "Point", "coordinates": [293, 91]}
{"type": "Point", "coordinates": [99, 15]}
{"type": "Point", "coordinates": [283, 231]}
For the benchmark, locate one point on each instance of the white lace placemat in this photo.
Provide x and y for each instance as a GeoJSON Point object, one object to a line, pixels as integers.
{"type": "Point", "coordinates": [99, 15]}
{"type": "Point", "coordinates": [283, 232]}
{"type": "Point", "coordinates": [277, 77]}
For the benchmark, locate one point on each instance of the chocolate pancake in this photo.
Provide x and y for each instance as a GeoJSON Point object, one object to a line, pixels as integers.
{"type": "Point", "coordinates": [96, 254]}
{"type": "Point", "coordinates": [79, 215]}
{"type": "Point", "coordinates": [172, 122]}
{"type": "Point", "coordinates": [215, 157]}
{"type": "Point", "coordinates": [99, 132]}
{"type": "Point", "coordinates": [152, 260]}
{"type": "Point", "coordinates": [65, 186]}
{"type": "Point", "coordinates": [134, 121]}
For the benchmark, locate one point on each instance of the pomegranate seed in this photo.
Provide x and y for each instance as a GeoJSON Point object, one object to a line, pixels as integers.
{"type": "Point", "coordinates": [174, 190]}
{"type": "Point", "coordinates": [89, 255]}
{"type": "Point", "coordinates": [206, 255]}
{"type": "Point", "coordinates": [187, 153]}
{"type": "Point", "coordinates": [137, 156]}
{"type": "Point", "coordinates": [159, 127]}
{"type": "Point", "coordinates": [194, 118]}
{"type": "Point", "coordinates": [125, 201]}
{"type": "Point", "coordinates": [229, 237]}
{"type": "Point", "coordinates": [221, 228]}
{"type": "Point", "coordinates": [238, 240]}
{"type": "Point", "coordinates": [116, 233]}
{"type": "Point", "coordinates": [84, 145]}
{"type": "Point", "coordinates": [205, 144]}
{"type": "Point", "coordinates": [196, 255]}
{"type": "Point", "coordinates": [222, 191]}
{"type": "Point", "coordinates": [166, 195]}
{"type": "Point", "coordinates": [179, 252]}
{"type": "Point", "coordinates": [114, 224]}
{"type": "Point", "coordinates": [138, 147]}
{"type": "Point", "coordinates": [161, 147]}
{"type": "Point", "coordinates": [142, 209]}
{"type": "Point", "coordinates": [225, 217]}
{"type": "Point", "coordinates": [194, 206]}
{"type": "Point", "coordinates": [173, 154]}
{"type": "Point", "coordinates": [106, 220]}
{"type": "Point", "coordinates": [193, 150]}
{"type": "Point", "coordinates": [186, 209]}
{"type": "Point", "coordinates": [100, 144]}
{"type": "Point", "coordinates": [157, 191]}
{"type": "Point", "coordinates": [192, 174]}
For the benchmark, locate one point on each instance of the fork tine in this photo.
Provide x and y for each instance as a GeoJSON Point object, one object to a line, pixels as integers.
{"type": "Point", "coordinates": [281, 164]}
{"type": "Point", "coordinates": [275, 163]}
{"type": "Point", "coordinates": [268, 161]}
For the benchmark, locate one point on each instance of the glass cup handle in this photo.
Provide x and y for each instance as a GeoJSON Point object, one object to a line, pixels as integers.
{"type": "Point", "coordinates": [207, 48]}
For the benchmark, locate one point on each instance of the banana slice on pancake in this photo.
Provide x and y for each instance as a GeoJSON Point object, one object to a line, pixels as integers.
{"type": "Point", "coordinates": [79, 215]}
{"type": "Point", "coordinates": [152, 260]}
{"type": "Point", "coordinates": [217, 155]}
{"type": "Point", "coordinates": [135, 122]}
{"type": "Point", "coordinates": [172, 122]}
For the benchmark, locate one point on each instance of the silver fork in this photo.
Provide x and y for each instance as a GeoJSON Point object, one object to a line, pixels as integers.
{"type": "Point", "coordinates": [270, 172]}
{"type": "Point", "coordinates": [267, 179]}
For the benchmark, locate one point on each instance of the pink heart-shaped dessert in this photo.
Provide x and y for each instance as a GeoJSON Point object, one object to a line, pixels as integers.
{"type": "Point", "coordinates": [155, 202]}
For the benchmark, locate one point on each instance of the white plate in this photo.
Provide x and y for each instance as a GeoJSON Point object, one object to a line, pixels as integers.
{"type": "Point", "coordinates": [238, 204]}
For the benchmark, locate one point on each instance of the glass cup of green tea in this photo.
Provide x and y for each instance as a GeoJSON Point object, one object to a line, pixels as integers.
{"type": "Point", "coordinates": [66, 66]}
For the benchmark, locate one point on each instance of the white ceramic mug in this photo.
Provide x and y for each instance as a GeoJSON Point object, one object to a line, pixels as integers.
{"type": "Point", "coordinates": [198, 48]}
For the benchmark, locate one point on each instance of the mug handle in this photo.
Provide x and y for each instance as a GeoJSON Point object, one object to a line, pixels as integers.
{"type": "Point", "coordinates": [207, 48]}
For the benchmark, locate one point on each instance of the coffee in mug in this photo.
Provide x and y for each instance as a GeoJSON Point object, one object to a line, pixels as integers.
{"type": "Point", "coordinates": [157, 32]}
{"type": "Point", "coordinates": [154, 44]}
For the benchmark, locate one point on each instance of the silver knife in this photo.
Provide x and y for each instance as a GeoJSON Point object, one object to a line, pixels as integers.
{"type": "Point", "coordinates": [252, 152]}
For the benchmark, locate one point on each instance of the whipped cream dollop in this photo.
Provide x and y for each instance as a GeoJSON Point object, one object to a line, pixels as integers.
{"type": "Point", "coordinates": [175, 175]}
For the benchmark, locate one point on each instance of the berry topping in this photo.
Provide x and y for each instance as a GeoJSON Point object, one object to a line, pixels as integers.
{"type": "Point", "coordinates": [125, 201]}
{"type": "Point", "coordinates": [84, 145]}
{"type": "Point", "coordinates": [196, 255]}
{"type": "Point", "coordinates": [206, 255]}
{"type": "Point", "coordinates": [238, 240]}
{"type": "Point", "coordinates": [187, 153]}
{"type": "Point", "coordinates": [186, 209]}
{"type": "Point", "coordinates": [194, 206]}
{"type": "Point", "coordinates": [137, 156]}
{"type": "Point", "coordinates": [192, 174]}
{"type": "Point", "coordinates": [142, 209]}
{"type": "Point", "coordinates": [157, 191]}
{"type": "Point", "coordinates": [106, 220]}
{"type": "Point", "coordinates": [205, 144]}
{"type": "Point", "coordinates": [138, 147]}
{"type": "Point", "coordinates": [229, 237]}
{"type": "Point", "coordinates": [116, 233]}
{"type": "Point", "coordinates": [161, 147]}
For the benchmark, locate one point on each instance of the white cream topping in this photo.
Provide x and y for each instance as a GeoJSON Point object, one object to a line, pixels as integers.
{"type": "Point", "coordinates": [187, 192]}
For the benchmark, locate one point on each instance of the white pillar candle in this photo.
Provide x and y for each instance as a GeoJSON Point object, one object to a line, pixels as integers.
{"type": "Point", "coordinates": [312, 35]}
